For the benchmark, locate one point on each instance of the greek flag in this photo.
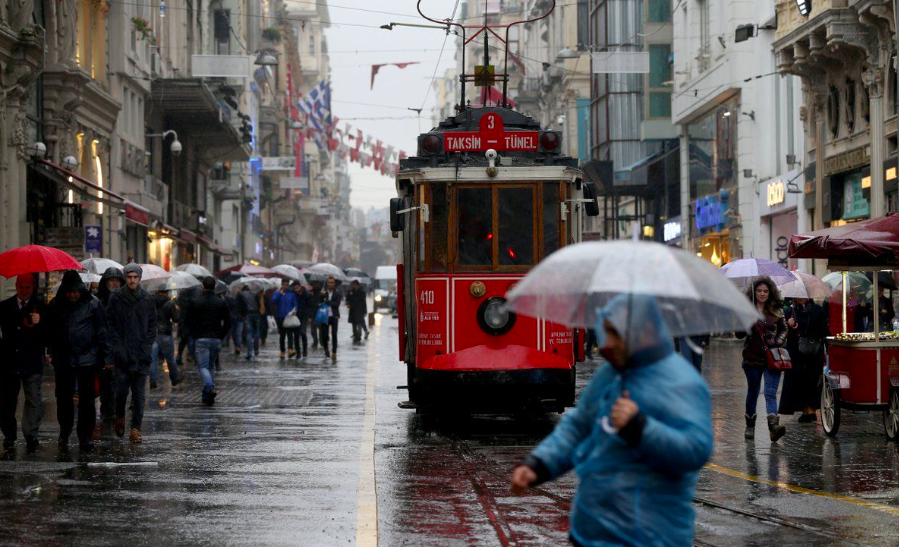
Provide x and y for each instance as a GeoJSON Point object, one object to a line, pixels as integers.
{"type": "Point", "coordinates": [317, 106]}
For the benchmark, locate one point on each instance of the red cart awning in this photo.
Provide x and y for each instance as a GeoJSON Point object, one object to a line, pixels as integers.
{"type": "Point", "coordinates": [874, 241]}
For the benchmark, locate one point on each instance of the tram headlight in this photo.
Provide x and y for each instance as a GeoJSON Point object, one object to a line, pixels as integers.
{"type": "Point", "coordinates": [494, 318]}
{"type": "Point", "coordinates": [377, 298]}
{"type": "Point", "coordinates": [431, 144]}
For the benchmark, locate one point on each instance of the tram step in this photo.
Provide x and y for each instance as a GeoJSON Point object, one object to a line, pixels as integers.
{"type": "Point", "coordinates": [402, 387]}
{"type": "Point", "coordinates": [407, 405]}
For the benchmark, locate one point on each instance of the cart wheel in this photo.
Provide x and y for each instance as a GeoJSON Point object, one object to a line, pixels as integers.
{"type": "Point", "coordinates": [830, 409]}
{"type": "Point", "coordinates": [891, 416]}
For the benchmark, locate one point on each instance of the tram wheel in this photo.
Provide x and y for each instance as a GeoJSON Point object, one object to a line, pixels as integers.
{"type": "Point", "coordinates": [891, 416]}
{"type": "Point", "coordinates": [830, 409]}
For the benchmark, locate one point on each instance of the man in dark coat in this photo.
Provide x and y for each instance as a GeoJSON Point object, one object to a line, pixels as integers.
{"type": "Point", "coordinates": [184, 338]}
{"type": "Point", "coordinates": [78, 345]}
{"type": "Point", "coordinates": [112, 280]}
{"type": "Point", "coordinates": [331, 296]}
{"type": "Point", "coordinates": [209, 321]}
{"type": "Point", "coordinates": [305, 313]}
{"type": "Point", "coordinates": [132, 331]}
{"type": "Point", "coordinates": [249, 309]}
{"type": "Point", "coordinates": [22, 341]}
{"type": "Point", "coordinates": [355, 299]}
{"type": "Point", "coordinates": [167, 317]}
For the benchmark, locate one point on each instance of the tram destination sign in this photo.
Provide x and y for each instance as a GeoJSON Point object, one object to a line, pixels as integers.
{"type": "Point", "coordinates": [491, 135]}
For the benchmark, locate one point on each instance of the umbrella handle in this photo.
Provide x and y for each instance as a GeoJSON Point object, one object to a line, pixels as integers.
{"type": "Point", "coordinates": [607, 426]}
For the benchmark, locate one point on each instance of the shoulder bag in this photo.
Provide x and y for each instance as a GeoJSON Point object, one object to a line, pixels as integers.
{"type": "Point", "coordinates": [778, 358]}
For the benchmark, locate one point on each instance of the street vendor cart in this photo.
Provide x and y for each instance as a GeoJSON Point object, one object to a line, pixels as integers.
{"type": "Point", "coordinates": [862, 371]}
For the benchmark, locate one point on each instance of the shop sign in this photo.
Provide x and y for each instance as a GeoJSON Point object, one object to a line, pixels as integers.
{"type": "Point", "coordinates": [279, 163]}
{"type": "Point", "coordinates": [776, 192]}
{"type": "Point", "coordinates": [93, 239]}
{"type": "Point", "coordinates": [672, 230]}
{"type": "Point", "coordinates": [709, 213]}
{"type": "Point", "coordinates": [854, 203]}
{"type": "Point", "coordinates": [846, 161]}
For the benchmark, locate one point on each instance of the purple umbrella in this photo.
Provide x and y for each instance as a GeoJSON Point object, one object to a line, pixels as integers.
{"type": "Point", "coordinates": [744, 271]}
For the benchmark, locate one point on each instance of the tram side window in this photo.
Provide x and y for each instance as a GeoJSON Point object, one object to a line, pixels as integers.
{"type": "Point", "coordinates": [550, 218]}
{"type": "Point", "coordinates": [516, 226]}
{"type": "Point", "coordinates": [475, 226]}
{"type": "Point", "coordinates": [439, 223]}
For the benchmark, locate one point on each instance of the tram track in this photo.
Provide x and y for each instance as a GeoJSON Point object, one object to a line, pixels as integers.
{"type": "Point", "coordinates": [477, 464]}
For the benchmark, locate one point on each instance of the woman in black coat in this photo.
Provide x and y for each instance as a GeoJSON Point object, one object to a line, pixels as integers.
{"type": "Point", "coordinates": [807, 323]}
{"type": "Point", "coordinates": [355, 300]}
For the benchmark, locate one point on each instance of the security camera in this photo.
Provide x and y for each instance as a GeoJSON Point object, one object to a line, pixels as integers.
{"type": "Point", "coordinates": [176, 147]}
{"type": "Point", "coordinates": [491, 154]}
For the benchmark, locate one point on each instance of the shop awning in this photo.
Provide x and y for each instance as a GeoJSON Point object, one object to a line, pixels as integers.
{"type": "Point", "coordinates": [866, 243]}
{"type": "Point", "coordinates": [199, 117]}
{"type": "Point", "coordinates": [137, 214]}
{"type": "Point", "coordinates": [79, 184]}
{"type": "Point", "coordinates": [188, 235]}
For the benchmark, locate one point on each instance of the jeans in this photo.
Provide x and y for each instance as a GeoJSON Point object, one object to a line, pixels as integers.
{"type": "Point", "coordinates": [164, 345]}
{"type": "Point", "coordinates": [65, 407]}
{"type": "Point", "coordinates": [107, 392]}
{"type": "Point", "coordinates": [754, 375]}
{"type": "Point", "coordinates": [137, 384]}
{"type": "Point", "coordinates": [237, 332]}
{"type": "Point", "coordinates": [323, 334]}
{"type": "Point", "coordinates": [207, 352]}
{"type": "Point", "coordinates": [9, 398]}
{"type": "Point", "coordinates": [252, 321]}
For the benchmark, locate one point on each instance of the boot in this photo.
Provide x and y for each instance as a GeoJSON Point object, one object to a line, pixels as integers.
{"type": "Point", "coordinates": [282, 355]}
{"type": "Point", "coordinates": [120, 427]}
{"type": "Point", "coordinates": [291, 354]}
{"type": "Point", "coordinates": [135, 436]}
{"type": "Point", "coordinates": [774, 428]}
{"type": "Point", "coordinates": [750, 427]}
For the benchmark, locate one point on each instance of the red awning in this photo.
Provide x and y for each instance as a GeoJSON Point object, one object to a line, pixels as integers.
{"type": "Point", "coordinates": [137, 214]}
{"type": "Point", "coordinates": [874, 242]}
{"type": "Point", "coordinates": [188, 236]}
{"type": "Point", "coordinates": [81, 179]}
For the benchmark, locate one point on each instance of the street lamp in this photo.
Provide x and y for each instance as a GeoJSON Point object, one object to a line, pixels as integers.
{"type": "Point", "coordinates": [266, 59]}
{"type": "Point", "coordinates": [38, 150]}
{"type": "Point", "coordinates": [70, 163]}
{"type": "Point", "coordinates": [567, 53]}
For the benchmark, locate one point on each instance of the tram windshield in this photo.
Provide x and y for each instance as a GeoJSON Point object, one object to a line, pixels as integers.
{"type": "Point", "coordinates": [502, 226]}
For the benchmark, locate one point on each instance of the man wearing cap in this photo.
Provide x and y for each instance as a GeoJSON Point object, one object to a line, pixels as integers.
{"type": "Point", "coordinates": [22, 341]}
{"type": "Point", "coordinates": [132, 331]}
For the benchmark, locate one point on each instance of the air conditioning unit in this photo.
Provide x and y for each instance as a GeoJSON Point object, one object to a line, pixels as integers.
{"type": "Point", "coordinates": [155, 65]}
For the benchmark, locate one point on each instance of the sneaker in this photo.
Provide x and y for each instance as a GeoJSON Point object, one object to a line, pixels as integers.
{"type": "Point", "coordinates": [305, 353]}
{"type": "Point", "coordinates": [366, 335]}
{"type": "Point", "coordinates": [327, 353]}
{"type": "Point", "coordinates": [135, 436]}
{"type": "Point", "coordinates": [249, 356]}
{"type": "Point", "coordinates": [236, 351]}
{"type": "Point", "coordinates": [120, 427]}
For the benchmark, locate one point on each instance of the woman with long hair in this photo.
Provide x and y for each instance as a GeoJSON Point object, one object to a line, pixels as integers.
{"type": "Point", "coordinates": [769, 331]}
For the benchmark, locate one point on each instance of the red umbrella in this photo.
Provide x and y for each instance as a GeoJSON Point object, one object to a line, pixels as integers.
{"type": "Point", "coordinates": [246, 270]}
{"type": "Point", "coordinates": [35, 259]}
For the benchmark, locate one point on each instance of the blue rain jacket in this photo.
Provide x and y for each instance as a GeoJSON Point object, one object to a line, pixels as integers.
{"type": "Point", "coordinates": [285, 303]}
{"type": "Point", "coordinates": [637, 491]}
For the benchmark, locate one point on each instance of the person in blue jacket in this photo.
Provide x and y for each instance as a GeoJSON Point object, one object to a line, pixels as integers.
{"type": "Point", "coordinates": [284, 301]}
{"type": "Point", "coordinates": [637, 438]}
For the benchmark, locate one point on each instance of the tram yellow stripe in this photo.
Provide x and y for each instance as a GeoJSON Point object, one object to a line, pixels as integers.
{"type": "Point", "coordinates": [801, 490]}
{"type": "Point", "coordinates": [367, 501]}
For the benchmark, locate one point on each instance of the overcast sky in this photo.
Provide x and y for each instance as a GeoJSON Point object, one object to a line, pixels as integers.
{"type": "Point", "coordinates": [353, 49]}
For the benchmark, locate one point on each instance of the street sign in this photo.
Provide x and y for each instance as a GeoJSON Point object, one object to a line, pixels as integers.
{"type": "Point", "coordinates": [279, 163]}
{"type": "Point", "coordinates": [93, 239]}
{"type": "Point", "coordinates": [490, 136]}
{"type": "Point", "coordinates": [483, 75]}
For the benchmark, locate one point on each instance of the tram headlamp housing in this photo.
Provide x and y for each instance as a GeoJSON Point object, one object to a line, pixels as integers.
{"type": "Point", "coordinates": [550, 141]}
{"type": "Point", "coordinates": [494, 318]}
{"type": "Point", "coordinates": [431, 144]}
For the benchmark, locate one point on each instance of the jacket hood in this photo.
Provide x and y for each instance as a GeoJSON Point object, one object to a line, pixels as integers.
{"type": "Point", "coordinates": [637, 318]}
{"type": "Point", "coordinates": [110, 273]}
{"type": "Point", "coordinates": [71, 281]}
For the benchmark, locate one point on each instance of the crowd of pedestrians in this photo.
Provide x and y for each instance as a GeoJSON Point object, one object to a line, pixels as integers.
{"type": "Point", "coordinates": [111, 339]}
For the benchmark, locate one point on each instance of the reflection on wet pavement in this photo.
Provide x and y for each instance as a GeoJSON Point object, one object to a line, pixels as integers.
{"type": "Point", "coordinates": [282, 459]}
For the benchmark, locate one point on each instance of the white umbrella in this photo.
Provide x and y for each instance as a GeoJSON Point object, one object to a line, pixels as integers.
{"type": "Point", "coordinates": [194, 269]}
{"type": "Point", "coordinates": [571, 286]}
{"type": "Point", "coordinates": [328, 270]}
{"type": "Point", "coordinates": [99, 265]}
{"type": "Point", "coordinates": [86, 277]}
{"type": "Point", "coordinates": [152, 271]}
{"type": "Point", "coordinates": [291, 272]}
{"type": "Point", "coordinates": [805, 286]}
{"type": "Point", "coordinates": [179, 280]}
{"type": "Point", "coordinates": [255, 284]}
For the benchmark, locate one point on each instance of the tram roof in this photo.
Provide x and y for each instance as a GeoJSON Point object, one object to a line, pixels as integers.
{"type": "Point", "coordinates": [468, 122]}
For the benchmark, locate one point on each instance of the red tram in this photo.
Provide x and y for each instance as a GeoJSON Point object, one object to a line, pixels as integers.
{"type": "Point", "coordinates": [487, 196]}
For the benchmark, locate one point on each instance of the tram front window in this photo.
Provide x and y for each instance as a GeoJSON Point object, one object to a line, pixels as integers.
{"type": "Point", "coordinates": [550, 218]}
{"type": "Point", "coordinates": [515, 208]}
{"type": "Point", "coordinates": [475, 226]}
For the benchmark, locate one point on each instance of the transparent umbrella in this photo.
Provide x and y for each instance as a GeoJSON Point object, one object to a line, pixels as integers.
{"type": "Point", "coordinates": [805, 286]}
{"type": "Point", "coordinates": [573, 284]}
{"type": "Point", "coordinates": [99, 265]}
{"type": "Point", "coordinates": [152, 271]}
{"type": "Point", "coordinates": [194, 269]}
{"type": "Point", "coordinates": [86, 277]}
{"type": "Point", "coordinates": [254, 283]}
{"type": "Point", "coordinates": [744, 271]}
{"type": "Point", "coordinates": [328, 270]}
{"type": "Point", "coordinates": [290, 272]}
{"type": "Point", "coordinates": [179, 280]}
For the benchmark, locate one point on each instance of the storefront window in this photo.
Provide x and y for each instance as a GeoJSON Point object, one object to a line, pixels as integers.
{"type": "Point", "coordinates": [713, 151]}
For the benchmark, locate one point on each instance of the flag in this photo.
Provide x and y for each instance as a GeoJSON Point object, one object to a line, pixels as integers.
{"type": "Point", "coordinates": [518, 63]}
{"type": "Point", "coordinates": [376, 68]}
{"type": "Point", "coordinates": [317, 106]}
{"type": "Point", "coordinates": [490, 96]}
